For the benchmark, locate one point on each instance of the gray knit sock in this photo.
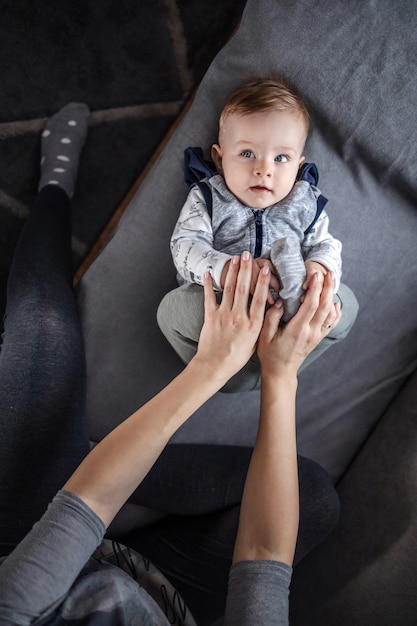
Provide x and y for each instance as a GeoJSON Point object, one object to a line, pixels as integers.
{"type": "Point", "coordinates": [62, 141]}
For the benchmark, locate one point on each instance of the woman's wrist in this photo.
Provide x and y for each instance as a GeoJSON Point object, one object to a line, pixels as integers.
{"type": "Point", "coordinates": [285, 379]}
{"type": "Point", "coordinates": [277, 389]}
{"type": "Point", "coordinates": [208, 373]}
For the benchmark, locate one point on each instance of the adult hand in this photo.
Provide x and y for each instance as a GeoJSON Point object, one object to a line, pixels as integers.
{"type": "Point", "coordinates": [257, 265]}
{"type": "Point", "coordinates": [231, 329]}
{"type": "Point", "coordinates": [282, 350]}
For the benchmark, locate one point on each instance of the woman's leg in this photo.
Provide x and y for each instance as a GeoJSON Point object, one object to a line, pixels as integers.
{"type": "Point", "coordinates": [205, 483]}
{"type": "Point", "coordinates": [195, 479]}
{"type": "Point", "coordinates": [42, 365]}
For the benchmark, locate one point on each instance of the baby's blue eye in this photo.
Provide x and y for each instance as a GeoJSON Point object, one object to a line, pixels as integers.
{"type": "Point", "coordinates": [281, 158]}
{"type": "Point", "coordinates": [248, 154]}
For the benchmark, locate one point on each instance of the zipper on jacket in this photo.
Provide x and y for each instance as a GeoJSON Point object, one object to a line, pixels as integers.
{"type": "Point", "coordinates": [258, 233]}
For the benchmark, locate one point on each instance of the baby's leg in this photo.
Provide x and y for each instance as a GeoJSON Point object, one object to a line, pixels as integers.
{"type": "Point", "coordinates": [181, 316]}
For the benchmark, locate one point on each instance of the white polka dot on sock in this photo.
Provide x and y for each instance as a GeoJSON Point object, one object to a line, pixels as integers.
{"type": "Point", "coordinates": [66, 140]}
{"type": "Point", "coordinates": [59, 170]}
{"type": "Point", "coordinates": [52, 182]}
{"type": "Point", "coordinates": [61, 157]}
{"type": "Point", "coordinates": [72, 123]}
{"type": "Point", "coordinates": [46, 133]}
{"type": "Point", "coordinates": [42, 160]}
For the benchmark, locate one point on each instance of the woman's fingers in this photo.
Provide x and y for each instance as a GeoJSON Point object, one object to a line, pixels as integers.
{"type": "Point", "coordinates": [210, 303]}
{"type": "Point", "coordinates": [272, 319]}
{"type": "Point", "coordinates": [231, 329]}
{"type": "Point", "coordinates": [332, 319]}
{"type": "Point", "coordinates": [235, 300]}
{"type": "Point", "coordinates": [230, 283]}
{"type": "Point", "coordinates": [234, 325]}
{"type": "Point", "coordinates": [237, 286]}
{"type": "Point", "coordinates": [260, 296]}
{"type": "Point", "coordinates": [318, 314]}
{"type": "Point", "coordinates": [318, 301]}
{"type": "Point", "coordinates": [328, 313]}
{"type": "Point", "coordinates": [241, 287]}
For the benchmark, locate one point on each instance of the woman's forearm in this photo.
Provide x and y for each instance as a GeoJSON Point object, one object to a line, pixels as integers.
{"type": "Point", "coordinates": [115, 467]}
{"type": "Point", "coordinates": [270, 506]}
{"type": "Point", "coordinates": [269, 518]}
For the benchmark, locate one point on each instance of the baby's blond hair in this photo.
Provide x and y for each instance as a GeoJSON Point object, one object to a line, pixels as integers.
{"type": "Point", "coordinates": [263, 94]}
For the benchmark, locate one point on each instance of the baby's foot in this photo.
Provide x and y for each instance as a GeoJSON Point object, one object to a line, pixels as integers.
{"type": "Point", "coordinates": [62, 141]}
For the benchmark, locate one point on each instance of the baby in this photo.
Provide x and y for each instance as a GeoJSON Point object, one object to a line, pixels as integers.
{"type": "Point", "coordinates": [259, 204]}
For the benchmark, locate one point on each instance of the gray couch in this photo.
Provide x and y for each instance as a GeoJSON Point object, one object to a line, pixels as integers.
{"type": "Point", "coordinates": [355, 62]}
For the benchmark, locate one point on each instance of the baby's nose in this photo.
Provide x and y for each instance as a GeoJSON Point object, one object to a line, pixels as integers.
{"type": "Point", "coordinates": [262, 168]}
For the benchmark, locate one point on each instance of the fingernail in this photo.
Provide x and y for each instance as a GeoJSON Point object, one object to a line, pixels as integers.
{"type": "Point", "coordinates": [235, 260]}
{"type": "Point", "coordinates": [265, 269]}
{"type": "Point", "coordinates": [245, 256]}
{"type": "Point", "coordinates": [279, 304]}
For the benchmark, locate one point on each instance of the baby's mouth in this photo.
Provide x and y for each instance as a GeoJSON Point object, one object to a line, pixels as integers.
{"type": "Point", "coordinates": [260, 189]}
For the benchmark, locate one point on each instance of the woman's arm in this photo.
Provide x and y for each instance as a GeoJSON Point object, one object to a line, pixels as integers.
{"type": "Point", "coordinates": [33, 579]}
{"type": "Point", "coordinates": [269, 516]}
{"type": "Point", "coordinates": [116, 466]}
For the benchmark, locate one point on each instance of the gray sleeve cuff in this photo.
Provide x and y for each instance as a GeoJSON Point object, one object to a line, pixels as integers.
{"type": "Point", "coordinates": [258, 594]}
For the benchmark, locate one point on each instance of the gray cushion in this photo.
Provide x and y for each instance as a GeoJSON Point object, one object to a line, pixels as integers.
{"type": "Point", "coordinates": [365, 573]}
{"type": "Point", "coordinates": [355, 63]}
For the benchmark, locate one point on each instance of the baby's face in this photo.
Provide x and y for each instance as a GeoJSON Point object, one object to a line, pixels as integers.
{"type": "Point", "coordinates": [259, 155]}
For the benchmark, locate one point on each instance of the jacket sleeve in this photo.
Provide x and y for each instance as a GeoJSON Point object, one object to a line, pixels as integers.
{"type": "Point", "coordinates": [320, 246]}
{"type": "Point", "coordinates": [36, 577]}
{"type": "Point", "coordinates": [192, 243]}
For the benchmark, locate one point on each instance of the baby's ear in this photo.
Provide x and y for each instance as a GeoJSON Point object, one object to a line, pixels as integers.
{"type": "Point", "coordinates": [301, 161]}
{"type": "Point", "coordinates": [216, 155]}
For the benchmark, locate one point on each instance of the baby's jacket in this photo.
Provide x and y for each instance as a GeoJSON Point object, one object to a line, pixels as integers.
{"type": "Point", "coordinates": [202, 243]}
